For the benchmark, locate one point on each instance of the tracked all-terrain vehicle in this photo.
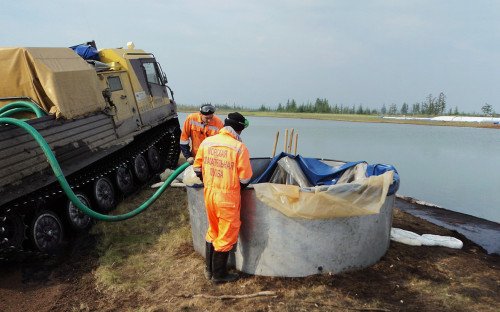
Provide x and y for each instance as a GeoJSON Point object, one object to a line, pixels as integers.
{"type": "Point", "coordinates": [111, 122]}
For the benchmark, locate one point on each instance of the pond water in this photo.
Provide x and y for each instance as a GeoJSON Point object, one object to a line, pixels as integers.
{"type": "Point", "coordinates": [452, 167]}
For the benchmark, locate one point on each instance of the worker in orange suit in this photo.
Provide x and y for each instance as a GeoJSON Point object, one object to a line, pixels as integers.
{"type": "Point", "coordinates": [197, 127]}
{"type": "Point", "coordinates": [223, 163]}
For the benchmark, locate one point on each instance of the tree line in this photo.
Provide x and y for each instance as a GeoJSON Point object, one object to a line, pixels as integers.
{"type": "Point", "coordinates": [431, 106]}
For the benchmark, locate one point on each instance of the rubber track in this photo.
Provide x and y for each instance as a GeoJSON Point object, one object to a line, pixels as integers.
{"type": "Point", "coordinates": [164, 137]}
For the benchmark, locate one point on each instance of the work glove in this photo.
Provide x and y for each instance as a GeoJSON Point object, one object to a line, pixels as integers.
{"type": "Point", "coordinates": [190, 160]}
{"type": "Point", "coordinates": [185, 149]}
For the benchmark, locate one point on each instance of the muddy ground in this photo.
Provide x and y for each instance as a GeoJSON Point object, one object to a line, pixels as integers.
{"type": "Point", "coordinates": [406, 279]}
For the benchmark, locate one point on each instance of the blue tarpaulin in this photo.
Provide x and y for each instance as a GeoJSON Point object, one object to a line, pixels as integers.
{"type": "Point", "coordinates": [319, 173]}
{"type": "Point", "coordinates": [87, 52]}
{"type": "Point", "coordinates": [378, 169]}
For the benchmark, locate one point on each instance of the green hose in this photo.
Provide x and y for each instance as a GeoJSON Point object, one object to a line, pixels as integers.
{"type": "Point", "coordinates": [67, 189]}
{"type": "Point", "coordinates": [16, 110]}
{"type": "Point", "coordinates": [23, 104]}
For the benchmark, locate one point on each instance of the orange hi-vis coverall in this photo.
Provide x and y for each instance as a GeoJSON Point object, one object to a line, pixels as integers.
{"type": "Point", "coordinates": [198, 131]}
{"type": "Point", "coordinates": [224, 162]}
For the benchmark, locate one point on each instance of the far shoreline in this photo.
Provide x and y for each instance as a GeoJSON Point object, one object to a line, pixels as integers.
{"type": "Point", "coordinates": [355, 118]}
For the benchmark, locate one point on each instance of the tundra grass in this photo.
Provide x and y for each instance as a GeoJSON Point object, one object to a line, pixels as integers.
{"type": "Point", "coordinates": [135, 252]}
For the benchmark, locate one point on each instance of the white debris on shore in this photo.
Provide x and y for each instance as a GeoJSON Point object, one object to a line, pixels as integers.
{"type": "Point", "coordinates": [493, 120]}
{"type": "Point", "coordinates": [414, 239]}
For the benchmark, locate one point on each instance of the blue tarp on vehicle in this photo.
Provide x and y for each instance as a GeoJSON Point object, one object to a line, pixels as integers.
{"type": "Point", "coordinates": [319, 173]}
{"type": "Point", "coordinates": [87, 52]}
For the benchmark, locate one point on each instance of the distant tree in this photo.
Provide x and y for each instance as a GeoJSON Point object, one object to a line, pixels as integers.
{"type": "Point", "coordinates": [429, 106]}
{"type": "Point", "coordinates": [441, 103]}
{"type": "Point", "coordinates": [335, 109]}
{"type": "Point", "coordinates": [487, 109]}
{"type": "Point", "coordinates": [229, 107]}
{"type": "Point", "coordinates": [309, 107]}
{"type": "Point", "coordinates": [280, 108]}
{"type": "Point", "coordinates": [415, 109]}
{"type": "Point", "coordinates": [383, 110]}
{"type": "Point", "coordinates": [404, 109]}
{"type": "Point", "coordinates": [455, 112]}
{"type": "Point", "coordinates": [393, 109]}
{"type": "Point", "coordinates": [360, 110]}
{"type": "Point", "coordinates": [291, 106]}
{"type": "Point", "coordinates": [305, 108]}
{"type": "Point", "coordinates": [322, 106]}
{"type": "Point", "coordinates": [424, 108]}
{"type": "Point", "coordinates": [263, 108]}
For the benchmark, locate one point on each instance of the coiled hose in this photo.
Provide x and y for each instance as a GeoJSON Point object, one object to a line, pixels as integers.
{"type": "Point", "coordinates": [65, 185]}
{"type": "Point", "coordinates": [21, 106]}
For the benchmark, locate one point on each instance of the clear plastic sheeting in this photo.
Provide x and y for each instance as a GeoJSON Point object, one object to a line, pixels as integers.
{"type": "Point", "coordinates": [289, 172]}
{"type": "Point", "coordinates": [354, 194]}
{"type": "Point", "coordinates": [190, 178]}
{"type": "Point", "coordinates": [353, 174]}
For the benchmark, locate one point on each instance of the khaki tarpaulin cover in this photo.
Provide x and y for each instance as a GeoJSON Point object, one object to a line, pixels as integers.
{"type": "Point", "coordinates": [360, 196]}
{"type": "Point", "coordinates": [57, 79]}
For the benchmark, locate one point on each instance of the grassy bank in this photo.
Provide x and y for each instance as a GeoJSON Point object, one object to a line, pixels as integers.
{"type": "Point", "coordinates": [356, 118]}
{"type": "Point", "coordinates": [148, 264]}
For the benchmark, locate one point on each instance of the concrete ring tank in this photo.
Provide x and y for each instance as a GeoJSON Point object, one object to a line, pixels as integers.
{"type": "Point", "coordinates": [273, 244]}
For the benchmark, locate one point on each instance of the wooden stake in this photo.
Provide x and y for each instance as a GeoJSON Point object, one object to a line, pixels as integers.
{"type": "Point", "coordinates": [286, 141]}
{"type": "Point", "coordinates": [276, 142]}
{"type": "Point", "coordinates": [296, 141]}
{"type": "Point", "coordinates": [224, 297]}
{"type": "Point", "coordinates": [290, 143]}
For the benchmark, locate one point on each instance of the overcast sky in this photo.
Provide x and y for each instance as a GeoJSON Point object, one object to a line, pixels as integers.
{"type": "Point", "coordinates": [258, 52]}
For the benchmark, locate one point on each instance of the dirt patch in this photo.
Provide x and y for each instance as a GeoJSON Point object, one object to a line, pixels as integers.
{"type": "Point", "coordinates": [160, 271]}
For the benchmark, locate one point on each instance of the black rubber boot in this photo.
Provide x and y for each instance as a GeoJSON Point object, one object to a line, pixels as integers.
{"type": "Point", "coordinates": [209, 251]}
{"type": "Point", "coordinates": [219, 268]}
